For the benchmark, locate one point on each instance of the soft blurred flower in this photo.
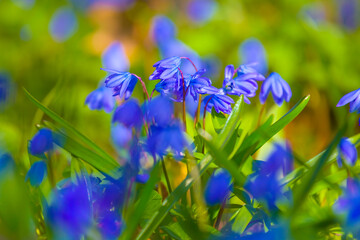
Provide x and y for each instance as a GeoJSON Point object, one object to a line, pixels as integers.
{"type": "Point", "coordinates": [120, 135]}
{"type": "Point", "coordinates": [218, 187]}
{"type": "Point", "coordinates": [63, 24]}
{"type": "Point", "coordinates": [353, 98]}
{"type": "Point", "coordinates": [162, 30]}
{"type": "Point", "coordinates": [159, 110]}
{"type": "Point", "coordinates": [279, 160]}
{"type": "Point", "coordinates": [41, 142]}
{"type": "Point", "coordinates": [220, 102]}
{"type": "Point", "coordinates": [69, 213]}
{"type": "Point", "coordinates": [5, 89]}
{"type": "Point", "coordinates": [36, 173]}
{"type": "Point", "coordinates": [349, 13]}
{"type": "Point", "coordinates": [114, 57]}
{"type": "Point", "coordinates": [201, 11]}
{"type": "Point", "coordinates": [346, 151]}
{"type": "Point", "coordinates": [6, 162]}
{"type": "Point", "coordinates": [129, 114]}
{"type": "Point", "coordinates": [251, 51]}
{"type": "Point", "coordinates": [162, 139]}
{"type": "Point", "coordinates": [101, 98]}
{"type": "Point", "coordinates": [315, 12]}
{"type": "Point", "coordinates": [348, 207]}
{"type": "Point", "coordinates": [279, 88]}
{"type": "Point", "coordinates": [123, 83]}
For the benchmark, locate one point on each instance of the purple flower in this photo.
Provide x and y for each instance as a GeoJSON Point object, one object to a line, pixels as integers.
{"type": "Point", "coordinates": [121, 136]}
{"type": "Point", "coordinates": [69, 214]}
{"type": "Point", "coordinates": [101, 98]}
{"type": "Point", "coordinates": [5, 89]}
{"type": "Point", "coordinates": [63, 24]}
{"type": "Point", "coordinates": [349, 15]}
{"type": "Point", "coordinates": [279, 87]}
{"type": "Point", "coordinates": [346, 151]}
{"type": "Point", "coordinates": [197, 84]}
{"type": "Point", "coordinates": [220, 102]}
{"type": "Point", "coordinates": [41, 142]}
{"type": "Point", "coordinates": [218, 187]}
{"type": "Point", "coordinates": [162, 139]}
{"type": "Point", "coordinates": [163, 30]}
{"type": "Point", "coordinates": [123, 83]}
{"type": "Point", "coordinates": [252, 51]}
{"type": "Point", "coordinates": [36, 173]}
{"type": "Point", "coordinates": [171, 88]}
{"type": "Point", "coordinates": [166, 68]}
{"type": "Point", "coordinates": [129, 114]}
{"type": "Point", "coordinates": [159, 110]}
{"type": "Point", "coordinates": [114, 57]}
{"type": "Point", "coordinates": [353, 98]}
{"type": "Point", "coordinates": [201, 11]}
{"type": "Point", "coordinates": [280, 159]}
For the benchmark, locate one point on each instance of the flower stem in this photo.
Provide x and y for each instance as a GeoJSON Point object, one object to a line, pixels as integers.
{"type": "Point", "coordinates": [204, 116]}
{"type": "Point", "coordinates": [143, 86]}
{"type": "Point", "coordinates": [184, 96]}
{"type": "Point", "coordinates": [260, 114]}
{"type": "Point", "coordinates": [218, 218]}
{"type": "Point", "coordinates": [197, 114]}
{"type": "Point", "coordinates": [190, 62]}
{"type": "Point", "coordinates": [166, 176]}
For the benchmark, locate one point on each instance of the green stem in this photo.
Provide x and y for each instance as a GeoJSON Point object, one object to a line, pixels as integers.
{"type": "Point", "coordinates": [166, 176]}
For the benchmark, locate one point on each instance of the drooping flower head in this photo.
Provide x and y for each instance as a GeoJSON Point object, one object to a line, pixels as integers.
{"type": "Point", "coordinates": [114, 57]}
{"type": "Point", "coordinates": [122, 83]}
{"type": "Point", "coordinates": [166, 68]}
{"type": "Point", "coordinates": [163, 30]}
{"type": "Point", "coordinates": [218, 187]}
{"type": "Point", "coordinates": [197, 84]}
{"type": "Point", "coordinates": [279, 88]}
{"type": "Point", "coordinates": [346, 151]}
{"type": "Point", "coordinates": [36, 173]}
{"type": "Point", "coordinates": [101, 98]}
{"type": "Point", "coordinates": [41, 142]}
{"type": "Point", "coordinates": [129, 114]}
{"type": "Point", "coordinates": [159, 111]}
{"type": "Point", "coordinates": [353, 98]}
{"type": "Point", "coordinates": [220, 102]}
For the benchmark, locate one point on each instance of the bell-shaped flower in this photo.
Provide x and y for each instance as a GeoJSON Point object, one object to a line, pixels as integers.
{"type": "Point", "coordinates": [159, 110]}
{"type": "Point", "coordinates": [122, 83]}
{"type": "Point", "coordinates": [101, 98]}
{"type": "Point", "coordinates": [218, 187]}
{"type": "Point", "coordinates": [129, 114]}
{"type": "Point", "coordinates": [353, 98]}
{"type": "Point", "coordinates": [166, 68]}
{"type": "Point", "coordinates": [279, 88]}
{"type": "Point", "coordinates": [36, 173]}
{"type": "Point", "coordinates": [219, 101]}
{"type": "Point", "coordinates": [347, 152]}
{"type": "Point", "coordinates": [41, 142]}
{"type": "Point", "coordinates": [197, 84]}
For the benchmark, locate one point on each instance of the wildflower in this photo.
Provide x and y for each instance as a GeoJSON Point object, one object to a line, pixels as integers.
{"type": "Point", "coordinates": [69, 213]}
{"type": "Point", "coordinates": [162, 139]}
{"type": "Point", "coordinates": [120, 135]}
{"type": "Point", "coordinates": [6, 162]}
{"type": "Point", "coordinates": [114, 57]}
{"type": "Point", "coordinates": [36, 173]}
{"type": "Point", "coordinates": [218, 187]}
{"type": "Point", "coordinates": [348, 207]}
{"type": "Point", "coordinates": [160, 110]}
{"type": "Point", "coordinates": [348, 11]}
{"type": "Point", "coordinates": [280, 89]}
{"type": "Point", "coordinates": [166, 68]}
{"type": "Point", "coordinates": [63, 24]}
{"type": "Point", "coordinates": [201, 11]}
{"type": "Point", "coordinates": [197, 84]}
{"type": "Point", "coordinates": [346, 151]}
{"type": "Point", "coordinates": [129, 114]}
{"type": "Point", "coordinates": [163, 30]}
{"type": "Point", "coordinates": [280, 159]}
{"type": "Point", "coordinates": [252, 51]}
{"type": "Point", "coordinates": [101, 98]}
{"type": "Point", "coordinates": [123, 83]}
{"type": "Point", "coordinates": [5, 89]}
{"type": "Point", "coordinates": [353, 98]}
{"type": "Point", "coordinates": [171, 88]}
{"type": "Point", "coordinates": [41, 142]}
{"type": "Point", "coordinates": [220, 102]}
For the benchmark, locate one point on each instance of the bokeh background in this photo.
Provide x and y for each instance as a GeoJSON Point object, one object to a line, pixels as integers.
{"type": "Point", "coordinates": [55, 49]}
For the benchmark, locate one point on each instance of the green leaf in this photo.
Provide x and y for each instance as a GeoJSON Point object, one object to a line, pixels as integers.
{"type": "Point", "coordinates": [242, 219]}
{"type": "Point", "coordinates": [70, 129]}
{"type": "Point", "coordinates": [176, 231]}
{"type": "Point", "coordinates": [218, 120]}
{"type": "Point", "coordinates": [152, 206]}
{"type": "Point", "coordinates": [231, 124]}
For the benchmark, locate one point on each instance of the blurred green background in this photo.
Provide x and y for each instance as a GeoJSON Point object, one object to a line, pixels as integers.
{"type": "Point", "coordinates": [314, 45]}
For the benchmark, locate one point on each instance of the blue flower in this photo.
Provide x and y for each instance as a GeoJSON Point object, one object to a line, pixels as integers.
{"type": "Point", "coordinates": [129, 114]}
{"type": "Point", "coordinates": [163, 30]}
{"type": "Point", "coordinates": [6, 162]}
{"type": "Point", "coordinates": [349, 16]}
{"type": "Point", "coordinates": [69, 214]}
{"type": "Point", "coordinates": [5, 89]}
{"type": "Point", "coordinates": [218, 187]}
{"type": "Point", "coordinates": [220, 102]}
{"type": "Point", "coordinates": [36, 173]}
{"type": "Point", "coordinates": [197, 84]}
{"type": "Point", "coordinates": [101, 98]}
{"type": "Point", "coordinates": [114, 57]}
{"type": "Point", "coordinates": [200, 11]}
{"type": "Point", "coordinates": [171, 88]}
{"type": "Point", "coordinates": [252, 51]}
{"type": "Point", "coordinates": [348, 207]}
{"type": "Point", "coordinates": [120, 136]}
{"type": "Point", "coordinates": [166, 68]}
{"type": "Point", "coordinates": [162, 139]}
{"type": "Point", "coordinates": [110, 225]}
{"type": "Point", "coordinates": [123, 83]}
{"type": "Point", "coordinates": [346, 151]}
{"type": "Point", "coordinates": [279, 87]}
{"type": "Point", "coordinates": [159, 110]}
{"type": "Point", "coordinates": [63, 24]}
{"type": "Point", "coordinates": [279, 160]}
{"type": "Point", "coordinates": [353, 98]}
{"type": "Point", "coordinates": [41, 142]}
